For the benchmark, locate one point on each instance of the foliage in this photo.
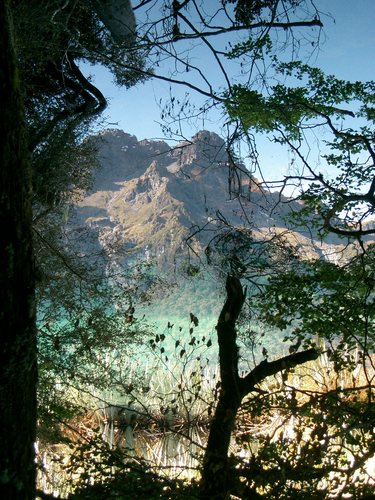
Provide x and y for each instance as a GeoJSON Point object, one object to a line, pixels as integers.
{"type": "Point", "coordinates": [143, 429]}
{"type": "Point", "coordinates": [327, 302]}
{"type": "Point", "coordinates": [310, 433]}
{"type": "Point", "coordinates": [247, 11]}
{"type": "Point", "coordinates": [341, 200]}
{"type": "Point", "coordinates": [287, 108]}
{"type": "Point", "coordinates": [322, 300]}
{"type": "Point", "coordinates": [108, 473]}
{"type": "Point", "coordinates": [85, 330]}
{"type": "Point", "coordinates": [60, 101]}
{"type": "Point", "coordinates": [329, 299]}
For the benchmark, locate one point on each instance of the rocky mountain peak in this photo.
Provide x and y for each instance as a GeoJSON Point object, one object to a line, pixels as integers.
{"type": "Point", "coordinates": [153, 179]}
{"type": "Point", "coordinates": [203, 150]}
{"type": "Point", "coordinates": [149, 195]}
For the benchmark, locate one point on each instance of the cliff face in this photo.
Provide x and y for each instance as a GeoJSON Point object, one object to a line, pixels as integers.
{"type": "Point", "coordinates": [148, 199]}
{"type": "Point", "coordinates": [152, 203]}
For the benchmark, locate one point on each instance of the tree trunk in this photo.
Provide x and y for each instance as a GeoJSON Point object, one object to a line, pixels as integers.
{"type": "Point", "coordinates": [18, 374]}
{"type": "Point", "coordinates": [219, 476]}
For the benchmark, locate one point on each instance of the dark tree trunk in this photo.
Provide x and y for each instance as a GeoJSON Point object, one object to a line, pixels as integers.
{"type": "Point", "coordinates": [18, 371]}
{"type": "Point", "coordinates": [217, 477]}
{"type": "Point", "coordinates": [219, 474]}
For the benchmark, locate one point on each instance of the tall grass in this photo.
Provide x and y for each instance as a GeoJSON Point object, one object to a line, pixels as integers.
{"type": "Point", "coordinates": [160, 417]}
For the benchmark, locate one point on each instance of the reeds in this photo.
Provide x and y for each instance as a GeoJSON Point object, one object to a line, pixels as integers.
{"type": "Point", "coordinates": [160, 417]}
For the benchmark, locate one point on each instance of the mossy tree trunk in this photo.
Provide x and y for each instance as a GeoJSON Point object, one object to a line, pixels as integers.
{"type": "Point", "coordinates": [18, 370]}
{"type": "Point", "coordinates": [219, 478]}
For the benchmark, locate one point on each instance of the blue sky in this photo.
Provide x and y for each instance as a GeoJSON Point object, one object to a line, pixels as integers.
{"type": "Point", "coordinates": [346, 50]}
{"type": "Point", "coordinates": [349, 45]}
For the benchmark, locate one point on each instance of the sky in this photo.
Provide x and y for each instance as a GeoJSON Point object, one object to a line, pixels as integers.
{"type": "Point", "coordinates": [346, 49]}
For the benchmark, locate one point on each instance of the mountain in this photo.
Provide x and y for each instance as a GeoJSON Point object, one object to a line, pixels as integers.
{"type": "Point", "coordinates": [148, 198]}
{"type": "Point", "coordinates": [163, 205]}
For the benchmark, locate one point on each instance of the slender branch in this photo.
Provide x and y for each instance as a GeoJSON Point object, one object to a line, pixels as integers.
{"type": "Point", "coordinates": [93, 101]}
{"type": "Point", "coordinates": [211, 48]}
{"type": "Point", "coordinates": [59, 254]}
{"type": "Point", "coordinates": [262, 24]}
{"type": "Point", "coordinates": [151, 74]}
{"type": "Point", "coordinates": [344, 199]}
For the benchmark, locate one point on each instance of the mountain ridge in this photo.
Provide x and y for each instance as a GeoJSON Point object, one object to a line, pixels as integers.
{"type": "Point", "coordinates": [162, 205]}
{"type": "Point", "coordinates": [147, 194]}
